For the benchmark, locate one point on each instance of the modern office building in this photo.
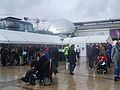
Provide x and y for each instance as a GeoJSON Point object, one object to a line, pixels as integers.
{"type": "Point", "coordinates": [16, 24]}
{"type": "Point", "coordinates": [99, 28]}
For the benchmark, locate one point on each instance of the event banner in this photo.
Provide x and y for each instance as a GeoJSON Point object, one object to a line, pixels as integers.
{"type": "Point", "coordinates": [115, 34]}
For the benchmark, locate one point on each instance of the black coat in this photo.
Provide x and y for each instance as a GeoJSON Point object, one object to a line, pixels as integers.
{"type": "Point", "coordinates": [71, 56]}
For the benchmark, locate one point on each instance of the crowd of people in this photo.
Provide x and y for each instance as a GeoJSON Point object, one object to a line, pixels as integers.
{"type": "Point", "coordinates": [26, 54]}
{"type": "Point", "coordinates": [93, 51]}
{"type": "Point", "coordinates": [110, 53]}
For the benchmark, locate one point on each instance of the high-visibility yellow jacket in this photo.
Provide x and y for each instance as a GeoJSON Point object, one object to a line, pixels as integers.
{"type": "Point", "coordinates": [66, 49]}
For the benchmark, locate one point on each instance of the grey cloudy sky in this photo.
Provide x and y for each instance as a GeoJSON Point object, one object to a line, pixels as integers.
{"type": "Point", "coordinates": [73, 10]}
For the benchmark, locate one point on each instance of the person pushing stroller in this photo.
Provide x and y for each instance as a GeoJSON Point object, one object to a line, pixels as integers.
{"type": "Point", "coordinates": [102, 63]}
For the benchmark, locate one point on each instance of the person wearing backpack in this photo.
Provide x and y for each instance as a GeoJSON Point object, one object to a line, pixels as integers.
{"type": "Point", "coordinates": [115, 55]}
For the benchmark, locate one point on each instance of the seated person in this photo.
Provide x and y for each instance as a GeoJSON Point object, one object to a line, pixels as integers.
{"type": "Point", "coordinates": [35, 66]}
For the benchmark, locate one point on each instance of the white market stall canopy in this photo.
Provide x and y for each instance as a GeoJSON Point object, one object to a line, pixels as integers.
{"type": "Point", "coordinates": [99, 39]}
{"type": "Point", "coordinates": [17, 37]}
{"type": "Point", "coordinates": [66, 41]}
{"type": "Point", "coordinates": [82, 41]}
{"type": "Point", "coordinates": [54, 39]}
{"type": "Point", "coordinates": [3, 40]}
{"type": "Point", "coordinates": [78, 40]}
{"type": "Point", "coordinates": [90, 39]}
{"type": "Point", "coordinates": [12, 37]}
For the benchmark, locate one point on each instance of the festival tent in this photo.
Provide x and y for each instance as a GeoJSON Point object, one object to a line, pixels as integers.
{"type": "Point", "coordinates": [34, 38]}
{"type": "Point", "coordinates": [91, 39]}
{"type": "Point", "coordinates": [78, 40]}
{"type": "Point", "coordinates": [99, 39]}
{"type": "Point", "coordinates": [17, 37]}
{"type": "Point", "coordinates": [12, 37]}
{"type": "Point", "coordinates": [82, 41]}
{"type": "Point", "coordinates": [65, 41]}
{"type": "Point", "coordinates": [3, 40]}
{"type": "Point", "coordinates": [29, 37]}
{"type": "Point", "coordinates": [51, 39]}
{"type": "Point", "coordinates": [43, 39]}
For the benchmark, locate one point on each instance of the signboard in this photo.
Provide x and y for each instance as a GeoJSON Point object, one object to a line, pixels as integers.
{"type": "Point", "coordinates": [115, 34]}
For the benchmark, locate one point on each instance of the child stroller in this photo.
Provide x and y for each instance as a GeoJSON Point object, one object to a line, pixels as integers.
{"type": "Point", "coordinates": [40, 71]}
{"type": "Point", "coordinates": [102, 64]}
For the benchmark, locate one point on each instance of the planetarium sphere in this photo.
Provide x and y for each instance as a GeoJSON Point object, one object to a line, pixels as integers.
{"type": "Point", "coordinates": [62, 26]}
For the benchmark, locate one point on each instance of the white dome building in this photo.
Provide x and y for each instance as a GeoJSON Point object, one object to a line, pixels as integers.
{"type": "Point", "coordinates": [62, 26]}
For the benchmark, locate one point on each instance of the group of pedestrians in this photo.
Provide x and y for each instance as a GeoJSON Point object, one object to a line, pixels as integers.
{"type": "Point", "coordinates": [21, 54]}
{"type": "Point", "coordinates": [93, 51]}
{"type": "Point", "coordinates": [9, 56]}
{"type": "Point", "coordinates": [111, 52]}
{"type": "Point", "coordinates": [25, 54]}
{"type": "Point", "coordinates": [30, 53]}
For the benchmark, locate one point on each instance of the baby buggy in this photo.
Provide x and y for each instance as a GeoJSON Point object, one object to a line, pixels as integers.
{"type": "Point", "coordinates": [102, 64]}
{"type": "Point", "coordinates": [40, 71]}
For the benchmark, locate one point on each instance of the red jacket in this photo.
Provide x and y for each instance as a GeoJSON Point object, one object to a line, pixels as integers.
{"type": "Point", "coordinates": [104, 58]}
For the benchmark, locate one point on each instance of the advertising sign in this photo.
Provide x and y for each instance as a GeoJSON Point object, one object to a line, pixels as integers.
{"type": "Point", "coordinates": [115, 34]}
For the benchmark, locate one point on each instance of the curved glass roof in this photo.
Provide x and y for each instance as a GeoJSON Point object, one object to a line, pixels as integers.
{"type": "Point", "coordinates": [62, 26]}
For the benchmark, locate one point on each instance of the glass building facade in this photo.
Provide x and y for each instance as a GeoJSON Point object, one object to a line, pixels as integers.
{"type": "Point", "coordinates": [16, 24]}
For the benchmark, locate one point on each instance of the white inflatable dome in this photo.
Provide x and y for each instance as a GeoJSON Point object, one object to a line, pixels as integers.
{"type": "Point", "coordinates": [62, 26]}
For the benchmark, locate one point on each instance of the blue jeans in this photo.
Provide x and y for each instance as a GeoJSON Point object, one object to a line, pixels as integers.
{"type": "Point", "coordinates": [116, 69]}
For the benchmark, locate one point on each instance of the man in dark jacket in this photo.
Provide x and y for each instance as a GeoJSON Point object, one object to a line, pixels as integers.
{"type": "Point", "coordinates": [91, 56]}
{"type": "Point", "coordinates": [109, 50]}
{"type": "Point", "coordinates": [54, 54]}
{"type": "Point", "coordinates": [72, 59]}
